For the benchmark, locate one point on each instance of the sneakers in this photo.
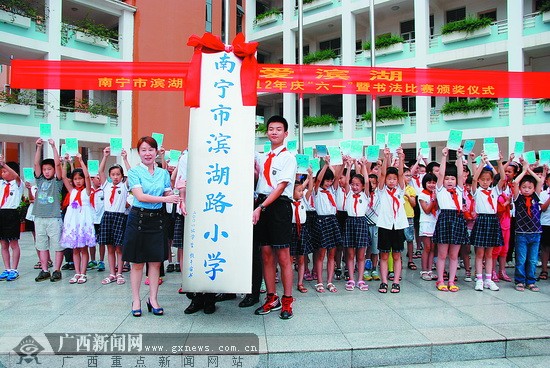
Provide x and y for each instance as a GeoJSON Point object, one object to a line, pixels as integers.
{"type": "Point", "coordinates": [68, 266]}
{"type": "Point", "coordinates": [170, 268]}
{"type": "Point", "coordinates": [177, 267]}
{"type": "Point", "coordinates": [367, 276]}
{"type": "Point", "coordinates": [4, 275]}
{"type": "Point", "coordinates": [56, 276]}
{"type": "Point", "coordinates": [494, 277]}
{"type": "Point", "coordinates": [101, 266]}
{"type": "Point", "coordinates": [338, 274]}
{"type": "Point", "coordinates": [479, 285]}
{"type": "Point", "coordinates": [42, 276]}
{"type": "Point", "coordinates": [286, 312]}
{"type": "Point", "coordinates": [468, 277]}
{"type": "Point", "coordinates": [92, 265]}
{"type": "Point", "coordinates": [272, 303]}
{"type": "Point", "coordinates": [375, 275]}
{"type": "Point", "coordinates": [13, 275]}
{"type": "Point", "coordinates": [490, 284]}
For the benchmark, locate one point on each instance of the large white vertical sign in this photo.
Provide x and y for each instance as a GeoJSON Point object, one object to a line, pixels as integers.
{"type": "Point", "coordinates": [220, 182]}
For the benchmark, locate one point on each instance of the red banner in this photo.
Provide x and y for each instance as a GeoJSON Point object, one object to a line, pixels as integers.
{"type": "Point", "coordinates": [279, 78]}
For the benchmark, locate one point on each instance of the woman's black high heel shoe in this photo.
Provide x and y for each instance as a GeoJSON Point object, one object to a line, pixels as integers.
{"type": "Point", "coordinates": [156, 311]}
{"type": "Point", "coordinates": [136, 312]}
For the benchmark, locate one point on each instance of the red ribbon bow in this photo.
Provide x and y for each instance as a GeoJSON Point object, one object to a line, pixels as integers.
{"type": "Point", "coordinates": [211, 44]}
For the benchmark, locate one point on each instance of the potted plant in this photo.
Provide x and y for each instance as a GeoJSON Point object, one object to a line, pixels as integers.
{"type": "Point", "coordinates": [545, 11]}
{"type": "Point", "coordinates": [385, 44]}
{"type": "Point", "coordinates": [321, 57]}
{"type": "Point", "coordinates": [93, 111]}
{"type": "Point", "coordinates": [314, 4]}
{"type": "Point", "coordinates": [387, 115]}
{"type": "Point", "coordinates": [90, 32]}
{"type": "Point", "coordinates": [464, 29]}
{"type": "Point", "coordinates": [545, 102]}
{"type": "Point", "coordinates": [270, 16]}
{"type": "Point", "coordinates": [19, 13]}
{"type": "Point", "coordinates": [317, 124]}
{"type": "Point", "coordinates": [468, 109]}
{"type": "Point", "coordinates": [17, 102]}
{"type": "Point", "coordinates": [22, 211]}
{"type": "Point", "coordinates": [261, 130]}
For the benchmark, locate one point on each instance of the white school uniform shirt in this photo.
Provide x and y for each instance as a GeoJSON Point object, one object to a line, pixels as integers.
{"type": "Point", "coordinates": [445, 200]}
{"type": "Point", "coordinates": [482, 205]}
{"type": "Point", "coordinates": [283, 169]}
{"type": "Point", "coordinates": [98, 205]}
{"type": "Point", "coordinates": [120, 199]}
{"type": "Point", "coordinates": [373, 207]}
{"type": "Point", "coordinates": [340, 199]}
{"type": "Point", "coordinates": [416, 182]}
{"type": "Point", "coordinates": [387, 219]}
{"type": "Point", "coordinates": [544, 215]}
{"type": "Point", "coordinates": [310, 204]}
{"type": "Point", "coordinates": [182, 167]}
{"type": "Point", "coordinates": [14, 196]}
{"type": "Point", "coordinates": [301, 210]}
{"type": "Point", "coordinates": [357, 207]}
{"type": "Point", "coordinates": [29, 215]}
{"type": "Point", "coordinates": [425, 217]}
{"type": "Point", "coordinates": [322, 203]}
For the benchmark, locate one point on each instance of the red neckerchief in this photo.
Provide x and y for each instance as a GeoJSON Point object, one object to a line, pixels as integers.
{"type": "Point", "coordinates": [297, 216]}
{"type": "Point", "coordinates": [113, 191]}
{"type": "Point", "coordinates": [454, 196]}
{"type": "Point", "coordinates": [417, 180]}
{"type": "Point", "coordinates": [330, 197]}
{"type": "Point", "coordinates": [489, 198]}
{"type": "Point", "coordinates": [78, 198]}
{"type": "Point", "coordinates": [431, 194]}
{"type": "Point", "coordinates": [344, 204]}
{"type": "Point", "coordinates": [395, 200]}
{"type": "Point", "coordinates": [6, 193]}
{"type": "Point", "coordinates": [528, 204]}
{"type": "Point", "coordinates": [267, 166]}
{"type": "Point", "coordinates": [356, 197]}
{"type": "Point", "coordinates": [92, 196]}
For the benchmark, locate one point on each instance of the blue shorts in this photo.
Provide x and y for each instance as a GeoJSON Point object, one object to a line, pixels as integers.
{"type": "Point", "coordinates": [409, 231]}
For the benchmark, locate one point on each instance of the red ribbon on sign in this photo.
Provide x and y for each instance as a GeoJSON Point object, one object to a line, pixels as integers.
{"type": "Point", "coordinates": [210, 44]}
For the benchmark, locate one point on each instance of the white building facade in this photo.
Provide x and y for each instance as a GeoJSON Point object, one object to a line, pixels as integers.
{"type": "Point", "coordinates": [517, 39]}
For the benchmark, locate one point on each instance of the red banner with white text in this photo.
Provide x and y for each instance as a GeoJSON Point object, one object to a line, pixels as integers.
{"type": "Point", "coordinates": [280, 78]}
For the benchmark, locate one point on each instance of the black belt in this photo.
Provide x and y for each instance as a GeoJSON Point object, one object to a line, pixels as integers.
{"type": "Point", "coordinates": [144, 212]}
{"type": "Point", "coordinates": [263, 197]}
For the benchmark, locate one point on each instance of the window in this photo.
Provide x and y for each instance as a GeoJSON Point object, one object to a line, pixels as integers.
{"type": "Point", "coordinates": [208, 17]}
{"type": "Point", "coordinates": [410, 155]}
{"type": "Point", "coordinates": [456, 99]}
{"type": "Point", "coordinates": [407, 30]}
{"type": "Point", "coordinates": [240, 17]}
{"type": "Point", "coordinates": [333, 44]}
{"type": "Point", "coordinates": [456, 14]}
{"type": "Point", "coordinates": [408, 104]}
{"type": "Point", "coordinates": [359, 45]}
{"type": "Point", "coordinates": [432, 26]}
{"type": "Point", "coordinates": [384, 102]}
{"type": "Point", "coordinates": [491, 14]}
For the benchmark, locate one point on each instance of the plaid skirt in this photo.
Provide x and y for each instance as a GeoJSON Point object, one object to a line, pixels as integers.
{"type": "Point", "coordinates": [326, 232]}
{"type": "Point", "coordinates": [311, 216]}
{"type": "Point", "coordinates": [486, 232]}
{"type": "Point", "coordinates": [111, 228]}
{"type": "Point", "coordinates": [177, 241]}
{"type": "Point", "coordinates": [451, 228]}
{"type": "Point", "coordinates": [356, 232]}
{"type": "Point", "coordinates": [300, 245]}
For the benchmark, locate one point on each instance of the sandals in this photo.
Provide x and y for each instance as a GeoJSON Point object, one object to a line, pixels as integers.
{"type": "Point", "coordinates": [38, 265]}
{"type": "Point", "coordinates": [331, 287]}
{"type": "Point", "coordinates": [440, 285]}
{"type": "Point", "coordinates": [426, 275]}
{"type": "Point", "coordinates": [417, 254]}
{"type": "Point", "coordinates": [543, 275]}
{"type": "Point", "coordinates": [301, 288]}
{"type": "Point", "coordinates": [108, 279]}
{"type": "Point", "coordinates": [411, 266]}
{"type": "Point", "coordinates": [82, 279]}
{"type": "Point", "coordinates": [395, 288]}
{"type": "Point", "coordinates": [533, 287]}
{"type": "Point", "coordinates": [307, 276]}
{"type": "Point", "coordinates": [126, 267]}
{"type": "Point", "coordinates": [319, 287]}
{"type": "Point", "coordinates": [383, 288]}
{"type": "Point", "coordinates": [453, 288]}
{"type": "Point", "coordinates": [361, 285]}
{"type": "Point", "coordinates": [74, 279]}
{"type": "Point", "coordinates": [350, 285]}
{"type": "Point", "coordinates": [120, 279]}
{"type": "Point", "coordinates": [520, 287]}
{"type": "Point", "coordinates": [338, 273]}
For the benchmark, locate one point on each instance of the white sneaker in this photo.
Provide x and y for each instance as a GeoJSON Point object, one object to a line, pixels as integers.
{"type": "Point", "coordinates": [490, 284]}
{"type": "Point", "coordinates": [510, 264]}
{"type": "Point", "coordinates": [479, 285]}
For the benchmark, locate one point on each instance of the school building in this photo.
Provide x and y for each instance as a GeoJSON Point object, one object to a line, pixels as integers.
{"type": "Point", "coordinates": [515, 38]}
{"type": "Point", "coordinates": [99, 30]}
